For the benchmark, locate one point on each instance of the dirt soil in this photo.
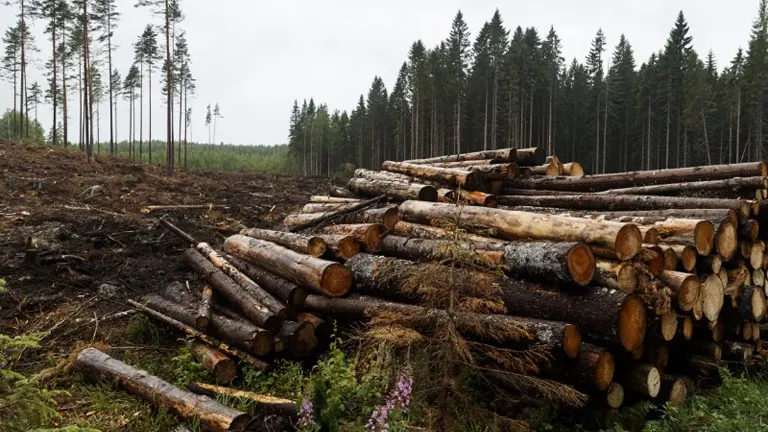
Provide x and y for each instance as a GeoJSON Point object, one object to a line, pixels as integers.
{"type": "Point", "coordinates": [76, 240]}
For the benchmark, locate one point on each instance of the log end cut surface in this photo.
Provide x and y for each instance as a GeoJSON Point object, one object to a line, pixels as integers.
{"type": "Point", "coordinates": [669, 325]}
{"type": "Point", "coordinates": [686, 327]}
{"type": "Point", "coordinates": [581, 264]}
{"type": "Point", "coordinates": [757, 301]}
{"type": "Point", "coordinates": [653, 382]}
{"type": "Point", "coordinates": [629, 241]}
{"type": "Point", "coordinates": [336, 280]}
{"type": "Point", "coordinates": [604, 370]}
{"type": "Point", "coordinates": [615, 395]}
{"type": "Point", "coordinates": [704, 237]}
{"type": "Point", "coordinates": [712, 296]}
{"type": "Point", "coordinates": [428, 193]}
{"type": "Point", "coordinates": [727, 240]}
{"type": "Point", "coordinates": [571, 341]}
{"type": "Point", "coordinates": [316, 247]}
{"type": "Point", "coordinates": [632, 322]}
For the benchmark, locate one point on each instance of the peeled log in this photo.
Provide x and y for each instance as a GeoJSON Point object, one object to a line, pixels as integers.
{"type": "Point", "coordinates": [339, 192]}
{"type": "Point", "coordinates": [239, 297]}
{"type": "Point", "coordinates": [326, 277]}
{"type": "Point", "coordinates": [686, 287]}
{"type": "Point", "coordinates": [601, 182]}
{"type": "Point", "coordinates": [573, 169]}
{"type": "Point", "coordinates": [340, 246]}
{"type": "Point", "coordinates": [726, 240]}
{"type": "Point", "coordinates": [625, 239]}
{"type": "Point", "coordinates": [369, 235]}
{"type": "Point", "coordinates": [617, 202]}
{"type": "Point", "coordinates": [211, 414]}
{"type": "Point", "coordinates": [409, 229]}
{"type": "Point", "coordinates": [548, 169]}
{"type": "Point", "coordinates": [500, 155]}
{"type": "Point", "coordinates": [531, 156]}
{"type": "Point", "coordinates": [440, 250]}
{"type": "Point", "coordinates": [473, 197]}
{"type": "Point", "coordinates": [323, 207]}
{"type": "Point", "coordinates": [388, 216]}
{"type": "Point", "coordinates": [756, 254]}
{"type": "Point", "coordinates": [396, 190]}
{"type": "Point", "coordinates": [644, 379]}
{"type": "Point", "coordinates": [736, 184]}
{"type": "Point", "coordinates": [223, 368]}
{"type": "Point", "coordinates": [308, 245]}
{"type": "Point", "coordinates": [293, 295]}
{"type": "Point", "coordinates": [451, 176]}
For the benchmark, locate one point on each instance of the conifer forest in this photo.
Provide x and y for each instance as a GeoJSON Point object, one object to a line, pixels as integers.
{"type": "Point", "coordinates": [507, 86]}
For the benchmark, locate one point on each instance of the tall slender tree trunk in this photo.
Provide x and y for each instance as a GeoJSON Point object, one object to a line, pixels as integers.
{"type": "Point", "coordinates": [186, 126]}
{"type": "Point", "coordinates": [494, 115]}
{"type": "Point", "coordinates": [485, 124]}
{"type": "Point", "coordinates": [605, 120]}
{"type": "Point", "coordinates": [130, 125]}
{"type": "Point", "coordinates": [597, 135]}
{"type": "Point", "coordinates": [149, 138]}
{"type": "Point", "coordinates": [181, 117]}
{"type": "Point", "coordinates": [54, 90]}
{"type": "Point", "coordinates": [730, 134]}
{"type": "Point", "coordinates": [530, 120]}
{"type": "Point", "coordinates": [112, 109]}
{"type": "Point", "coordinates": [738, 126]}
{"type": "Point", "coordinates": [669, 125]}
{"type": "Point", "coordinates": [141, 112]}
{"type": "Point", "coordinates": [169, 74]}
{"type": "Point", "coordinates": [23, 84]}
{"type": "Point", "coordinates": [86, 74]}
{"type": "Point", "coordinates": [648, 153]}
{"type": "Point", "coordinates": [549, 123]}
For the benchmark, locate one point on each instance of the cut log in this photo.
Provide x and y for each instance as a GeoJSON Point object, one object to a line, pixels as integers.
{"type": "Point", "coordinates": [308, 245]}
{"type": "Point", "coordinates": [555, 160]}
{"type": "Point", "coordinates": [532, 156]}
{"type": "Point", "coordinates": [233, 292]}
{"type": "Point", "coordinates": [751, 303]}
{"type": "Point", "coordinates": [242, 334]}
{"type": "Point", "coordinates": [451, 176]}
{"type": "Point", "coordinates": [602, 182]}
{"type": "Point", "coordinates": [464, 164]}
{"type": "Point", "coordinates": [726, 240]}
{"type": "Point", "coordinates": [340, 246]}
{"type": "Point", "coordinates": [624, 238]}
{"type": "Point", "coordinates": [756, 254]}
{"type": "Point", "coordinates": [614, 396]}
{"type": "Point", "coordinates": [616, 202]}
{"type": "Point", "coordinates": [440, 250]}
{"type": "Point", "coordinates": [706, 349]}
{"type": "Point", "coordinates": [559, 262]}
{"type": "Point", "coordinates": [663, 327]}
{"type": "Point", "coordinates": [685, 286]}
{"type": "Point", "coordinates": [643, 379]}
{"type": "Point", "coordinates": [750, 230]}
{"type": "Point", "coordinates": [573, 169]}
{"type": "Point", "coordinates": [736, 279]}
{"type": "Point", "coordinates": [299, 337]}
{"type": "Point", "coordinates": [388, 216]}
{"type": "Point", "coordinates": [395, 190]}
{"type": "Point", "coordinates": [285, 407]}
{"type": "Point", "coordinates": [548, 169]}
{"type": "Point", "coordinates": [324, 218]}
{"type": "Point", "coordinates": [710, 264]}
{"type": "Point", "coordinates": [755, 332]}
{"type": "Point", "coordinates": [211, 414]}
{"type": "Point", "coordinates": [653, 258]}
{"type": "Point", "coordinates": [474, 197]}
{"type": "Point", "coordinates": [323, 330]}
{"type": "Point", "coordinates": [712, 295]}
{"type": "Point", "coordinates": [325, 277]}
{"type": "Point", "coordinates": [673, 390]}
{"type": "Point", "coordinates": [223, 368]}
{"type": "Point", "coordinates": [495, 172]}
{"type": "Point", "coordinates": [758, 277]}
{"type": "Point", "coordinates": [595, 367]}
{"type": "Point", "coordinates": [369, 235]}
{"type": "Point", "coordinates": [713, 215]}
{"type": "Point", "coordinates": [331, 199]}
{"type": "Point", "coordinates": [202, 337]}
{"type": "Point", "coordinates": [293, 295]}
{"type": "Point", "coordinates": [409, 229]}
{"type": "Point", "coordinates": [671, 259]}
{"type": "Point", "coordinates": [249, 286]}
{"type": "Point", "coordinates": [685, 327]}
{"type": "Point", "coordinates": [688, 257]}
{"type": "Point", "coordinates": [203, 317]}
{"type": "Point", "coordinates": [339, 192]}
{"type": "Point", "coordinates": [736, 184]}
{"type": "Point", "coordinates": [181, 234]}
{"type": "Point", "coordinates": [737, 351]}
{"type": "Point", "coordinates": [322, 207]}
{"type": "Point", "coordinates": [624, 274]}
{"type": "Point", "coordinates": [500, 155]}
{"type": "Point", "coordinates": [656, 354]}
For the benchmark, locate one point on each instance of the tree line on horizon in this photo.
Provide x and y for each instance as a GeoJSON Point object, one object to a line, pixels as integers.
{"type": "Point", "coordinates": [512, 88]}
{"type": "Point", "coordinates": [81, 75]}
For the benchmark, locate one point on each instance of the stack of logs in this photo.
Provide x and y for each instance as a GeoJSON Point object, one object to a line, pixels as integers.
{"type": "Point", "coordinates": [634, 281]}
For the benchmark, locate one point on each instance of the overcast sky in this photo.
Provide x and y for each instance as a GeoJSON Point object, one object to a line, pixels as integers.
{"type": "Point", "coordinates": [254, 57]}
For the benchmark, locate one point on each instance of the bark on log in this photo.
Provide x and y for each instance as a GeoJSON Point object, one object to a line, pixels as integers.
{"type": "Point", "coordinates": [223, 368]}
{"type": "Point", "coordinates": [307, 245]}
{"type": "Point", "coordinates": [617, 202]}
{"type": "Point", "coordinates": [735, 184]}
{"type": "Point", "coordinates": [531, 156]}
{"type": "Point", "coordinates": [320, 199]}
{"type": "Point", "coordinates": [409, 229]}
{"type": "Point", "coordinates": [252, 288]}
{"type": "Point", "coordinates": [233, 292]}
{"type": "Point", "coordinates": [323, 330]}
{"type": "Point", "coordinates": [643, 379]}
{"type": "Point", "coordinates": [203, 317]}
{"type": "Point", "coordinates": [211, 414]}
{"type": "Point", "coordinates": [293, 295]}
{"type": "Point", "coordinates": [625, 239]}
{"type": "Point", "coordinates": [673, 390]}
{"type": "Point", "coordinates": [202, 337]}
{"type": "Point", "coordinates": [340, 192]}
{"type": "Point", "coordinates": [340, 246]}
{"type": "Point", "coordinates": [368, 234]}
{"type": "Point", "coordinates": [737, 351]}
{"type": "Point", "coordinates": [472, 197]}
{"type": "Point", "coordinates": [601, 182]}
{"type": "Point", "coordinates": [548, 169]}
{"type": "Point", "coordinates": [495, 172]}
{"type": "Point", "coordinates": [299, 337]}
{"type": "Point", "coordinates": [396, 190]}
{"type": "Point", "coordinates": [595, 367]}
{"type": "Point", "coordinates": [624, 275]}
{"type": "Point", "coordinates": [272, 404]}
{"type": "Point", "coordinates": [558, 262]}
{"type": "Point", "coordinates": [500, 155]}
{"type": "Point", "coordinates": [688, 257]}
{"type": "Point", "coordinates": [176, 230]}
{"type": "Point", "coordinates": [706, 349]}
{"type": "Point", "coordinates": [751, 303]}
{"type": "Point", "coordinates": [242, 334]}
{"type": "Point", "coordinates": [686, 287]}
{"type": "Point", "coordinates": [440, 250]}
{"type": "Point", "coordinates": [710, 264]}
{"type": "Point", "coordinates": [326, 277]}
{"type": "Point", "coordinates": [663, 327]}
{"type": "Point", "coordinates": [714, 215]}
{"type": "Point", "coordinates": [451, 176]}
{"type": "Point", "coordinates": [387, 216]}
{"type": "Point", "coordinates": [464, 164]}
{"type": "Point", "coordinates": [335, 215]}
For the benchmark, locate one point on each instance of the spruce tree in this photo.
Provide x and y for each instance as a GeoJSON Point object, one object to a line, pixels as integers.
{"type": "Point", "coordinates": [458, 61]}
{"type": "Point", "coordinates": [596, 74]}
{"type": "Point", "coordinates": [756, 77]}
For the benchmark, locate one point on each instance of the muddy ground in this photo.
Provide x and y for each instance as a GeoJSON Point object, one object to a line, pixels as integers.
{"type": "Point", "coordinates": [76, 240]}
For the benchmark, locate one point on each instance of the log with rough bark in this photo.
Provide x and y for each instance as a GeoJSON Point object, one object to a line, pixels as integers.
{"type": "Point", "coordinates": [471, 197]}
{"type": "Point", "coordinates": [450, 176]}
{"type": "Point", "coordinates": [559, 336]}
{"type": "Point", "coordinates": [558, 262]}
{"type": "Point", "coordinates": [156, 208]}
{"type": "Point", "coordinates": [548, 169]}
{"type": "Point", "coordinates": [531, 156]}
{"type": "Point", "coordinates": [181, 234]}
{"type": "Point", "coordinates": [333, 215]}
{"type": "Point", "coordinates": [272, 404]}
{"type": "Point", "coordinates": [211, 414]}
{"type": "Point", "coordinates": [750, 230]}
{"type": "Point", "coordinates": [292, 294]}
{"type": "Point", "coordinates": [339, 192]}
{"type": "Point", "coordinates": [735, 184]}
{"type": "Point", "coordinates": [441, 250]}
{"type": "Point", "coordinates": [602, 182]}
{"type": "Point", "coordinates": [624, 238]}
{"type": "Point", "coordinates": [396, 190]}
{"type": "Point", "coordinates": [750, 304]}
{"type": "Point", "coordinates": [233, 292]}
{"type": "Point", "coordinates": [409, 229]}
{"type": "Point", "coordinates": [673, 391]}
{"type": "Point", "coordinates": [617, 202]}
{"type": "Point", "coordinates": [465, 164]}
{"type": "Point", "coordinates": [623, 275]}
{"type": "Point", "coordinates": [325, 277]}
{"type": "Point", "coordinates": [685, 286]}
{"type": "Point", "coordinates": [714, 215]}
{"type": "Point", "coordinates": [320, 199]}
{"type": "Point", "coordinates": [299, 337]}
{"type": "Point", "coordinates": [323, 330]}
{"type": "Point", "coordinates": [203, 317]}
{"type": "Point", "coordinates": [202, 337]}
{"type": "Point", "coordinates": [495, 172]}
{"type": "Point", "coordinates": [595, 366]}
{"type": "Point", "coordinates": [240, 333]}
{"type": "Point", "coordinates": [643, 379]}
{"type": "Point", "coordinates": [712, 296]}
{"type": "Point", "coordinates": [309, 245]}
{"type": "Point", "coordinates": [737, 351]}
{"type": "Point", "coordinates": [368, 234]}
{"type": "Point", "coordinates": [340, 246]}
{"type": "Point", "coordinates": [387, 216]}
{"type": "Point", "coordinates": [252, 288]}
{"type": "Point", "coordinates": [223, 368]}
{"type": "Point", "coordinates": [500, 155]}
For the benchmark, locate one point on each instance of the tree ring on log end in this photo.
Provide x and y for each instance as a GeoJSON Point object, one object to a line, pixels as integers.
{"type": "Point", "coordinates": [688, 258]}
{"type": "Point", "coordinates": [632, 322]}
{"type": "Point", "coordinates": [581, 264]}
{"type": "Point", "coordinates": [428, 193]}
{"type": "Point", "coordinates": [336, 280]}
{"type": "Point", "coordinates": [704, 236]}
{"type": "Point", "coordinates": [727, 240]}
{"type": "Point", "coordinates": [225, 371]}
{"type": "Point", "coordinates": [653, 382]}
{"type": "Point", "coordinates": [571, 341]}
{"type": "Point", "coordinates": [615, 395]}
{"type": "Point", "coordinates": [316, 247]}
{"type": "Point", "coordinates": [604, 370]}
{"type": "Point", "coordinates": [262, 343]}
{"type": "Point", "coordinates": [390, 218]}
{"type": "Point", "coordinates": [670, 259]}
{"type": "Point", "coordinates": [713, 297]}
{"type": "Point", "coordinates": [652, 236]}
{"type": "Point", "coordinates": [348, 247]}
{"type": "Point", "coordinates": [669, 325]}
{"type": "Point", "coordinates": [758, 304]}
{"type": "Point", "coordinates": [690, 291]}
{"type": "Point", "coordinates": [678, 393]}
{"type": "Point", "coordinates": [687, 327]}
{"type": "Point", "coordinates": [629, 240]}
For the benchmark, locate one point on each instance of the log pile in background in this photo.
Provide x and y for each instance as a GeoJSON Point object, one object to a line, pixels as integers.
{"type": "Point", "coordinates": [633, 280]}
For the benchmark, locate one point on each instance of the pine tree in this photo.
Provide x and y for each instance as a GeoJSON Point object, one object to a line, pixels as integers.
{"type": "Point", "coordinates": [208, 119]}
{"type": "Point", "coordinates": [131, 85]}
{"type": "Point", "coordinates": [35, 97]}
{"type": "Point", "coordinates": [116, 86]}
{"type": "Point", "coordinates": [147, 53]}
{"type": "Point", "coordinates": [107, 16]}
{"type": "Point", "coordinates": [51, 11]}
{"type": "Point", "coordinates": [216, 116]}
{"type": "Point", "coordinates": [11, 68]}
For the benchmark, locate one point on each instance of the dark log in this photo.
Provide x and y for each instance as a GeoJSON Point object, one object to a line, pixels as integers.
{"type": "Point", "coordinates": [202, 337]}
{"type": "Point", "coordinates": [409, 229]}
{"type": "Point", "coordinates": [495, 172]}
{"type": "Point", "coordinates": [441, 250]}
{"type": "Point", "coordinates": [327, 217]}
{"type": "Point", "coordinates": [710, 264]}
{"type": "Point", "coordinates": [688, 257]}
{"type": "Point", "coordinates": [240, 333]}
{"type": "Point", "coordinates": [308, 245]}
{"type": "Point", "coordinates": [559, 262]}
{"type": "Point", "coordinates": [656, 354]}
{"type": "Point", "coordinates": [531, 156]}
{"type": "Point", "coordinates": [340, 246]}
{"type": "Point", "coordinates": [601, 182]}
{"type": "Point", "coordinates": [594, 367]}
{"type": "Point", "coordinates": [323, 330]}
{"type": "Point", "coordinates": [624, 238]}
{"type": "Point", "coordinates": [203, 317]}
{"type": "Point", "coordinates": [339, 192]}
{"type": "Point", "coordinates": [707, 349]}
{"type": "Point", "coordinates": [299, 337]}
{"type": "Point", "coordinates": [233, 292]}
{"type": "Point", "coordinates": [500, 155]}
{"type": "Point", "coordinates": [211, 414]}
{"type": "Point", "coordinates": [673, 390]}
{"type": "Point", "coordinates": [751, 303]}
{"type": "Point", "coordinates": [326, 277]}
{"type": "Point", "coordinates": [368, 234]}
{"type": "Point", "coordinates": [736, 184]}
{"type": "Point", "coordinates": [737, 351]}
{"type": "Point", "coordinates": [617, 202]}
{"type": "Point", "coordinates": [223, 368]}
{"type": "Point", "coordinates": [643, 379]}
{"type": "Point", "coordinates": [451, 176]}
{"type": "Point", "coordinates": [663, 327]}
{"type": "Point", "coordinates": [271, 404]}
{"type": "Point", "coordinates": [395, 190]}
{"type": "Point", "coordinates": [176, 230]}
{"type": "Point", "coordinates": [293, 295]}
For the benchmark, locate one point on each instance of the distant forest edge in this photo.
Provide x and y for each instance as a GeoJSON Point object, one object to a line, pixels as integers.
{"type": "Point", "coordinates": [509, 88]}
